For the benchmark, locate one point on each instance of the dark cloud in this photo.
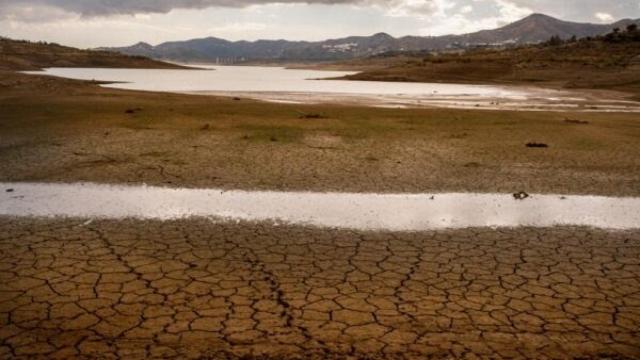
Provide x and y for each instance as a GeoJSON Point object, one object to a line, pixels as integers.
{"type": "Point", "coordinates": [122, 7]}
{"type": "Point", "coordinates": [52, 9]}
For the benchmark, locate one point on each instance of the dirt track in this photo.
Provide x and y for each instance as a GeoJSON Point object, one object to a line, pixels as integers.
{"type": "Point", "coordinates": [127, 289]}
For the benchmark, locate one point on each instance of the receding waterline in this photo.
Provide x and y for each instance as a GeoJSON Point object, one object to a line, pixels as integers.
{"type": "Point", "coordinates": [281, 85]}
{"type": "Point", "coordinates": [396, 212]}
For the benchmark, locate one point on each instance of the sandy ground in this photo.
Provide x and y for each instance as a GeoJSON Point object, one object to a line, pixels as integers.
{"type": "Point", "coordinates": [192, 289]}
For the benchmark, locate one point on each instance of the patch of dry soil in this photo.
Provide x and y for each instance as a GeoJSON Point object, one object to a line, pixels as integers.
{"type": "Point", "coordinates": [194, 289]}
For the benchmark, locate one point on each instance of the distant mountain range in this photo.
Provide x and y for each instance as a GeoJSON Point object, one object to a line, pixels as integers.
{"type": "Point", "coordinates": [532, 29]}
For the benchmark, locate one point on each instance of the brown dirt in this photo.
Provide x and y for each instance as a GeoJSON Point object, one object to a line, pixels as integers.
{"type": "Point", "coordinates": [63, 130]}
{"type": "Point", "coordinates": [194, 289]}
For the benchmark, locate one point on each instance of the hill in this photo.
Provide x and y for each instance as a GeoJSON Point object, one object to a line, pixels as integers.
{"type": "Point", "coordinates": [535, 28]}
{"type": "Point", "coordinates": [26, 55]}
{"type": "Point", "coordinates": [611, 61]}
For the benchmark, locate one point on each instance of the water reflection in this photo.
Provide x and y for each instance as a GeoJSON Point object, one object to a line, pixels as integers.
{"type": "Point", "coordinates": [398, 212]}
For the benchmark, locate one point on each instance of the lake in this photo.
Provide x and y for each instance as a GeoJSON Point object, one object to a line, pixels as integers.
{"type": "Point", "coordinates": [269, 79]}
{"type": "Point", "coordinates": [279, 84]}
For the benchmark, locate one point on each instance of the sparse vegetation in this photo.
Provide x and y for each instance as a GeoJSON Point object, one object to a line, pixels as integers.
{"type": "Point", "coordinates": [611, 61]}
{"type": "Point", "coordinates": [52, 132]}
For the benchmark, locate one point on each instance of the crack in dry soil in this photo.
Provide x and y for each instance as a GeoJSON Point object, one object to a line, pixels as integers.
{"type": "Point", "coordinates": [194, 289]}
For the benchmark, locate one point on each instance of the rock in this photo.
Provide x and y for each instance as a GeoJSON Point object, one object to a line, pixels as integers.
{"type": "Point", "coordinates": [133, 110]}
{"type": "Point", "coordinates": [574, 121]}
{"type": "Point", "coordinates": [520, 195]}
{"type": "Point", "coordinates": [537, 145]}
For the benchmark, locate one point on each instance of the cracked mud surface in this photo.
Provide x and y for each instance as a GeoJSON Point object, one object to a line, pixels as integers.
{"type": "Point", "coordinates": [194, 289]}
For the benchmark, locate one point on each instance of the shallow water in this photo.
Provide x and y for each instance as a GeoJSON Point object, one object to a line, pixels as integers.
{"type": "Point", "coordinates": [397, 212]}
{"type": "Point", "coordinates": [269, 79]}
{"type": "Point", "coordinates": [295, 86]}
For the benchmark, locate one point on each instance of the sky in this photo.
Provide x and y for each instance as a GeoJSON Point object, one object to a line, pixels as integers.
{"type": "Point", "coordinates": [94, 23]}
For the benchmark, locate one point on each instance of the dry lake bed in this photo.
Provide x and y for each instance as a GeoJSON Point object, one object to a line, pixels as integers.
{"type": "Point", "coordinates": [107, 271]}
{"type": "Point", "coordinates": [295, 231]}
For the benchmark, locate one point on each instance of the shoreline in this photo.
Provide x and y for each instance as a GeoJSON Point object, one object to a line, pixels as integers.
{"type": "Point", "coordinates": [533, 98]}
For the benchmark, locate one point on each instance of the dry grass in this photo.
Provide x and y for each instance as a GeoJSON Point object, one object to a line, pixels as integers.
{"type": "Point", "coordinates": [64, 130]}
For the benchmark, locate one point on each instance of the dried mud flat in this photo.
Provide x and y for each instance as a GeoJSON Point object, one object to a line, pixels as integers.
{"type": "Point", "coordinates": [194, 289]}
{"type": "Point", "coordinates": [603, 161]}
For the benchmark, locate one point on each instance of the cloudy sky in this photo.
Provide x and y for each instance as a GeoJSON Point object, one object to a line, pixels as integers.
{"type": "Point", "coordinates": [91, 23]}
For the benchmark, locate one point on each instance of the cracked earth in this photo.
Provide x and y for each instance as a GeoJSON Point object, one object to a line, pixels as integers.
{"type": "Point", "coordinates": [195, 289]}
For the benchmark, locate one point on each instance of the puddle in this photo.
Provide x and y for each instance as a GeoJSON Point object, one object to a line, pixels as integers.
{"type": "Point", "coordinates": [397, 212]}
